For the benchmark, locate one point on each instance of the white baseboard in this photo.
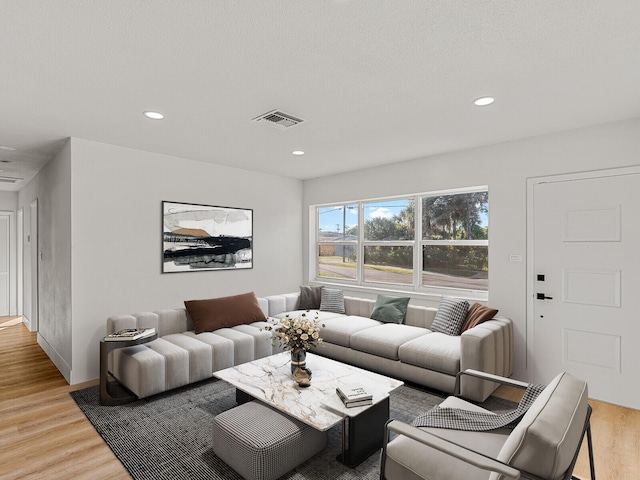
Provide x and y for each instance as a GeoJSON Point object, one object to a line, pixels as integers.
{"type": "Point", "coordinates": [57, 360]}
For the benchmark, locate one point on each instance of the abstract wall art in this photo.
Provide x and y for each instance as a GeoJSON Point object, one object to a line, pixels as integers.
{"type": "Point", "coordinates": [204, 237]}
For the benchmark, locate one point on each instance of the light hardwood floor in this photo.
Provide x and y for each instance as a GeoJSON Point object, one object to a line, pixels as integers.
{"type": "Point", "coordinates": [44, 435]}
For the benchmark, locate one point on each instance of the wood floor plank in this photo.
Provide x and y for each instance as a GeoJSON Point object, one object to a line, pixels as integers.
{"type": "Point", "coordinates": [43, 433]}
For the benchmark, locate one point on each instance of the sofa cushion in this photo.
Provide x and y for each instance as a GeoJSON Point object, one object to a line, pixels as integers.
{"type": "Point", "coordinates": [170, 320]}
{"type": "Point", "coordinates": [243, 345]}
{"type": "Point", "coordinates": [176, 362]}
{"type": "Point", "coordinates": [141, 369]}
{"type": "Point", "coordinates": [545, 440]}
{"type": "Point", "coordinates": [215, 313]}
{"type": "Point", "coordinates": [281, 303]}
{"type": "Point", "coordinates": [450, 316]}
{"type": "Point", "coordinates": [338, 330]}
{"type": "Point", "coordinates": [390, 309]}
{"type": "Point", "coordinates": [435, 351]}
{"type": "Point", "coordinates": [222, 349]}
{"type": "Point", "coordinates": [332, 300]}
{"type": "Point", "coordinates": [310, 297]}
{"type": "Point", "coordinates": [361, 307]}
{"type": "Point", "coordinates": [262, 339]}
{"type": "Point", "coordinates": [200, 358]}
{"type": "Point", "coordinates": [476, 315]}
{"type": "Point", "coordinates": [384, 340]}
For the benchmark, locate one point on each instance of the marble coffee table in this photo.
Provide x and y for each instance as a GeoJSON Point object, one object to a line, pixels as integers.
{"type": "Point", "coordinates": [269, 380]}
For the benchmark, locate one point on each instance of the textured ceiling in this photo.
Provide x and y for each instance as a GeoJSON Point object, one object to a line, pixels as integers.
{"type": "Point", "coordinates": [375, 81]}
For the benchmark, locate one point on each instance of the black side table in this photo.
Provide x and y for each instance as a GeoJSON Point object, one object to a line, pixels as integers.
{"type": "Point", "coordinates": [111, 392]}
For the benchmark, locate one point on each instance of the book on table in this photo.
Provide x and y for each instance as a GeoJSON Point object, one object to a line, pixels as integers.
{"type": "Point", "coordinates": [130, 334]}
{"type": "Point", "coordinates": [354, 396]}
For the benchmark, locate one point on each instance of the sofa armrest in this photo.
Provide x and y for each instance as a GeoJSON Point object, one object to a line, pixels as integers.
{"type": "Point", "coordinates": [487, 347]}
{"type": "Point", "coordinates": [449, 448]}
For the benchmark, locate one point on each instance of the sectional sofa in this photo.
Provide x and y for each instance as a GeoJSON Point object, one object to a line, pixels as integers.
{"type": "Point", "coordinates": [183, 353]}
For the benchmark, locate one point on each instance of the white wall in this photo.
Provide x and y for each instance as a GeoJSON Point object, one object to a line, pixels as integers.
{"type": "Point", "coordinates": [505, 168]}
{"type": "Point", "coordinates": [52, 188]}
{"type": "Point", "coordinates": [117, 234]}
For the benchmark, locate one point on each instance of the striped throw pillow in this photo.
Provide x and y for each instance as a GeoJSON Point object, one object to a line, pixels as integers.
{"type": "Point", "coordinates": [450, 316]}
{"type": "Point", "coordinates": [332, 300]}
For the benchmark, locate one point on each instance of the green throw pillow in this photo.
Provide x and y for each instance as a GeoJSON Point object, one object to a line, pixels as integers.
{"type": "Point", "coordinates": [390, 309]}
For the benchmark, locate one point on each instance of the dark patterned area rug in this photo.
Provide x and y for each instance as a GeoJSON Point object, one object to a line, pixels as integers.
{"type": "Point", "coordinates": [168, 436]}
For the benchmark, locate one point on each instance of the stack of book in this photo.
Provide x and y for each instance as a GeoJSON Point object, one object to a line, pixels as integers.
{"type": "Point", "coordinates": [354, 396]}
{"type": "Point", "coordinates": [130, 334]}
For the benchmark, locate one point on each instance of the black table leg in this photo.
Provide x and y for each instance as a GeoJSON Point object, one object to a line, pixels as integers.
{"type": "Point", "coordinates": [111, 392]}
{"type": "Point", "coordinates": [242, 397]}
{"type": "Point", "coordinates": [365, 434]}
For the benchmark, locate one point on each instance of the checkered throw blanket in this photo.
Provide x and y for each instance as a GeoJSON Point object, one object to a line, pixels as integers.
{"type": "Point", "coordinates": [460, 419]}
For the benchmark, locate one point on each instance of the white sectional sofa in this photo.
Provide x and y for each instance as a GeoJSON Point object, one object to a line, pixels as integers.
{"type": "Point", "coordinates": [409, 351]}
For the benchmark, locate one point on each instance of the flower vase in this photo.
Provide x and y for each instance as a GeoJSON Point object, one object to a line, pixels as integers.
{"type": "Point", "coordinates": [298, 358]}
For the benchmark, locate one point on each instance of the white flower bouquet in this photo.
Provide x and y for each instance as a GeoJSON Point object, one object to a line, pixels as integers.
{"type": "Point", "coordinates": [296, 333]}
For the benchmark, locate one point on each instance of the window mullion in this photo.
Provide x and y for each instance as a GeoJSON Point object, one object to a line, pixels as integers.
{"type": "Point", "coordinates": [417, 249]}
{"type": "Point", "coordinates": [360, 263]}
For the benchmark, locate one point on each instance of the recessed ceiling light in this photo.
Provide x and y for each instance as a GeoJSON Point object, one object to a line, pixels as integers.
{"type": "Point", "coordinates": [297, 152]}
{"type": "Point", "coordinates": [154, 115]}
{"type": "Point", "coordinates": [483, 101]}
{"type": "Point", "coordinates": [7, 148]}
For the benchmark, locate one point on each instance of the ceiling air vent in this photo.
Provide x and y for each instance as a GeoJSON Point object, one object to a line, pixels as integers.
{"type": "Point", "coordinates": [278, 119]}
{"type": "Point", "coordinates": [9, 180]}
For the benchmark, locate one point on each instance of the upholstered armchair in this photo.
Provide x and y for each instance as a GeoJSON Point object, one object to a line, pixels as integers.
{"type": "Point", "coordinates": [543, 445]}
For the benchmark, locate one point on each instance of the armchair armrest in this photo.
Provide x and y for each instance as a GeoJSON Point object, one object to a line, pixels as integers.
{"type": "Point", "coordinates": [487, 376]}
{"type": "Point", "coordinates": [449, 448]}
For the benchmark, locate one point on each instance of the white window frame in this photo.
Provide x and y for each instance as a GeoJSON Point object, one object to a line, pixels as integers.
{"type": "Point", "coordinates": [386, 243]}
{"type": "Point", "coordinates": [417, 243]}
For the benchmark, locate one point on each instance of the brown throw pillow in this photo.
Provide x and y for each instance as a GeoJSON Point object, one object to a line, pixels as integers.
{"type": "Point", "coordinates": [214, 313]}
{"type": "Point", "coordinates": [476, 315]}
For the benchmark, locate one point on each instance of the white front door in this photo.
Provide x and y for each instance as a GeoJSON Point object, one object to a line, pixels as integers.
{"type": "Point", "coordinates": [586, 284]}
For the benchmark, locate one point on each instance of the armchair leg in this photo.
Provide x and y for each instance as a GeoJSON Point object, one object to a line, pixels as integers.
{"type": "Point", "coordinates": [590, 446]}
{"type": "Point", "coordinates": [592, 467]}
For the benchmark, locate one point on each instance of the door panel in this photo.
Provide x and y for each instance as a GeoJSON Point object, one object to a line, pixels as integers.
{"type": "Point", "coordinates": [586, 234]}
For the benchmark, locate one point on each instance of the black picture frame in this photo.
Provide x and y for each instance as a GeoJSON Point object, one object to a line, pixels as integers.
{"type": "Point", "coordinates": [198, 237]}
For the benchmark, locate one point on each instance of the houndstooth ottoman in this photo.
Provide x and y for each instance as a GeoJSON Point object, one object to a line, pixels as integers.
{"type": "Point", "coordinates": [261, 443]}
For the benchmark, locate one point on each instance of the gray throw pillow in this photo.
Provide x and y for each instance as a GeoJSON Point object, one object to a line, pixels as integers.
{"type": "Point", "coordinates": [390, 309]}
{"type": "Point", "coordinates": [310, 297]}
{"type": "Point", "coordinates": [450, 316]}
{"type": "Point", "coordinates": [332, 300]}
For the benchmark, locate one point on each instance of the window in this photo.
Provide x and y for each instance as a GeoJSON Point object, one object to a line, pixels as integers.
{"type": "Point", "coordinates": [419, 242]}
{"type": "Point", "coordinates": [455, 241]}
{"type": "Point", "coordinates": [338, 241]}
{"type": "Point", "coordinates": [389, 240]}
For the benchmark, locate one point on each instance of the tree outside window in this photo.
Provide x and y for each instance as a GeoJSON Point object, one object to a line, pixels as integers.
{"type": "Point", "coordinates": [455, 240]}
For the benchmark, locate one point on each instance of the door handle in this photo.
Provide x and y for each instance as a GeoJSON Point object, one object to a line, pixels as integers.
{"type": "Point", "coordinates": [541, 296]}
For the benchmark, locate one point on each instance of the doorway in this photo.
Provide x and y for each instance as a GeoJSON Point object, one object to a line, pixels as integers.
{"type": "Point", "coordinates": [5, 270]}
